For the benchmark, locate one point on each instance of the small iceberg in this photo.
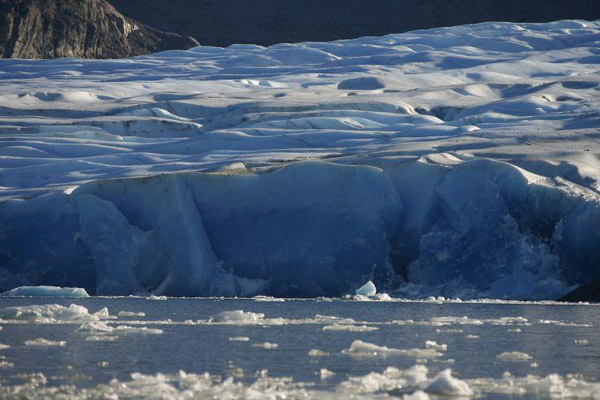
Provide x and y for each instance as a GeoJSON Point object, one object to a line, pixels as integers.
{"type": "Point", "coordinates": [46, 291]}
{"type": "Point", "coordinates": [368, 289]}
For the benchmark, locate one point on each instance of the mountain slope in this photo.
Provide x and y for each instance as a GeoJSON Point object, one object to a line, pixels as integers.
{"type": "Point", "coordinates": [266, 22]}
{"type": "Point", "coordinates": [77, 28]}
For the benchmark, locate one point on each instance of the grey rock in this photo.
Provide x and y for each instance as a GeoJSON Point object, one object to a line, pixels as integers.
{"type": "Point", "coordinates": [77, 28]}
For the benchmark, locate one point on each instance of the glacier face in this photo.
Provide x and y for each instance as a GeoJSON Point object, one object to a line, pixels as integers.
{"type": "Point", "coordinates": [459, 161]}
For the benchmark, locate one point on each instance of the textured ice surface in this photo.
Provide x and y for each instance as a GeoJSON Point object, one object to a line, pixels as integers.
{"type": "Point", "coordinates": [457, 162]}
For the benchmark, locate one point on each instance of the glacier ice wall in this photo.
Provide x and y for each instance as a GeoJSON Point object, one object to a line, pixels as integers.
{"type": "Point", "coordinates": [476, 228]}
{"type": "Point", "coordinates": [308, 229]}
{"type": "Point", "coordinates": [459, 161]}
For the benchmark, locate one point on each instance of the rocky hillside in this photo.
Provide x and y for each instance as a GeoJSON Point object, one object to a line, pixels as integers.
{"type": "Point", "coordinates": [77, 28]}
{"type": "Point", "coordinates": [265, 22]}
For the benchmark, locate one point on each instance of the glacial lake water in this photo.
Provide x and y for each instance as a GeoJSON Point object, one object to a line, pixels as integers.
{"type": "Point", "coordinates": [558, 348]}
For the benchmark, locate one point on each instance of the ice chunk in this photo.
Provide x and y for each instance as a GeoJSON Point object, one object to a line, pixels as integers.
{"type": "Point", "coordinates": [430, 344]}
{"type": "Point", "coordinates": [239, 339]}
{"type": "Point", "coordinates": [418, 395]}
{"type": "Point", "coordinates": [46, 291]}
{"type": "Point", "coordinates": [131, 314]}
{"type": "Point", "coordinates": [95, 327]}
{"type": "Point", "coordinates": [267, 298]}
{"type": "Point", "coordinates": [317, 353]}
{"type": "Point", "coordinates": [44, 342]}
{"type": "Point", "coordinates": [390, 381]}
{"type": "Point", "coordinates": [457, 320]}
{"type": "Point", "coordinates": [236, 317]}
{"type": "Point", "coordinates": [326, 374]}
{"type": "Point", "coordinates": [364, 349]}
{"type": "Point", "coordinates": [266, 345]}
{"type": "Point", "coordinates": [513, 356]}
{"type": "Point", "coordinates": [153, 297]}
{"type": "Point", "coordinates": [368, 289]}
{"type": "Point", "coordinates": [126, 330]}
{"type": "Point", "coordinates": [445, 384]}
{"type": "Point", "coordinates": [449, 330]}
{"type": "Point", "coordinates": [101, 338]}
{"type": "Point", "coordinates": [50, 313]}
{"type": "Point", "coordinates": [350, 328]}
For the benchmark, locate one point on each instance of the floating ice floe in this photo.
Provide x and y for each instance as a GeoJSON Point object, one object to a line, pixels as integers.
{"type": "Point", "coordinates": [51, 314]}
{"type": "Point", "coordinates": [445, 384]}
{"type": "Point", "coordinates": [126, 330]}
{"type": "Point", "coordinates": [267, 298]}
{"type": "Point", "coordinates": [46, 291]}
{"type": "Point", "coordinates": [364, 349]}
{"type": "Point", "coordinates": [563, 323]}
{"type": "Point", "coordinates": [6, 364]}
{"type": "Point", "coordinates": [131, 314]}
{"type": "Point", "coordinates": [349, 328]}
{"type": "Point", "coordinates": [317, 353]}
{"type": "Point", "coordinates": [514, 356]}
{"type": "Point", "coordinates": [241, 317]}
{"type": "Point", "coordinates": [41, 342]}
{"type": "Point", "coordinates": [237, 317]}
{"type": "Point", "coordinates": [430, 344]}
{"type": "Point", "coordinates": [239, 339]}
{"type": "Point", "coordinates": [266, 345]}
{"type": "Point", "coordinates": [101, 338]}
{"type": "Point", "coordinates": [449, 330]}
{"type": "Point", "coordinates": [457, 320]}
{"type": "Point", "coordinates": [325, 373]}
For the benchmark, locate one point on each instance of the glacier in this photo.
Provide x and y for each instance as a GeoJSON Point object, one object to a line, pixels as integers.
{"type": "Point", "coordinates": [457, 162]}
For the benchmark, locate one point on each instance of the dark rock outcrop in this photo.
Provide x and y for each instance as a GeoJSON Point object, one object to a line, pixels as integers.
{"type": "Point", "coordinates": [77, 28]}
{"type": "Point", "coordinates": [266, 22]}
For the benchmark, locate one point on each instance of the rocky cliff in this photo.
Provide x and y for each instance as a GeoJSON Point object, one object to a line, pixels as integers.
{"type": "Point", "coordinates": [77, 28]}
